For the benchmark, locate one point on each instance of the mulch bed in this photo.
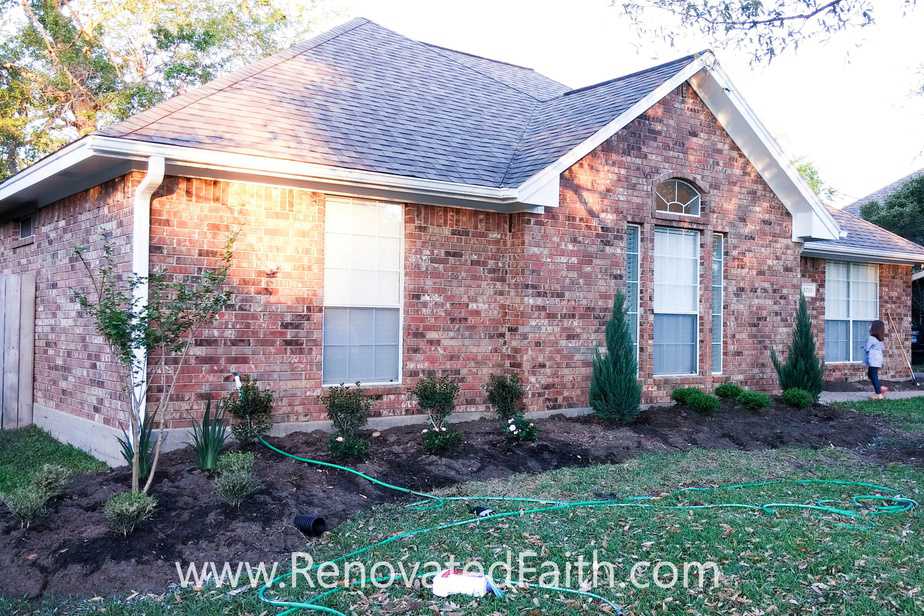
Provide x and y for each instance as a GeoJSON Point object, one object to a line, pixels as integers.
{"type": "Point", "coordinates": [71, 551]}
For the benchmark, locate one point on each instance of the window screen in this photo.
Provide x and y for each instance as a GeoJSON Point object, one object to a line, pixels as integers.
{"type": "Point", "coordinates": [676, 301]}
{"type": "Point", "coordinates": [362, 291]}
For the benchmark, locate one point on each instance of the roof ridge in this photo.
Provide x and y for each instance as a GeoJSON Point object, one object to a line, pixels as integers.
{"type": "Point", "coordinates": [440, 50]}
{"type": "Point", "coordinates": [635, 73]}
{"type": "Point", "coordinates": [231, 79]}
{"type": "Point", "coordinates": [475, 55]}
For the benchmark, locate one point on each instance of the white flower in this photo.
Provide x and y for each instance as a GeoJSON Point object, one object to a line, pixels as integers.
{"type": "Point", "coordinates": [339, 439]}
{"type": "Point", "coordinates": [424, 431]}
{"type": "Point", "coordinates": [531, 424]}
{"type": "Point", "coordinates": [443, 429]}
{"type": "Point", "coordinates": [510, 420]}
{"type": "Point", "coordinates": [513, 428]}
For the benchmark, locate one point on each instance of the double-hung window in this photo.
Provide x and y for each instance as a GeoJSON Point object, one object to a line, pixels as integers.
{"type": "Point", "coordinates": [676, 301]}
{"type": "Point", "coordinates": [633, 263]}
{"type": "Point", "coordinates": [718, 288]}
{"type": "Point", "coordinates": [851, 305]}
{"type": "Point", "coordinates": [363, 246]}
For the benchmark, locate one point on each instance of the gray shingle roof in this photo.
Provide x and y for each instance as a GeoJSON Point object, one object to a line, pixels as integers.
{"type": "Point", "coordinates": [363, 97]}
{"type": "Point", "coordinates": [883, 193]}
{"type": "Point", "coordinates": [863, 235]}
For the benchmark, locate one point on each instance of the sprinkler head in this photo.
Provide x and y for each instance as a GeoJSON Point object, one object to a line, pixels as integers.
{"type": "Point", "coordinates": [310, 525]}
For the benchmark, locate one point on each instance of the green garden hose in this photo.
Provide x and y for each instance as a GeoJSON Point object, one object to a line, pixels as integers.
{"type": "Point", "coordinates": [868, 504]}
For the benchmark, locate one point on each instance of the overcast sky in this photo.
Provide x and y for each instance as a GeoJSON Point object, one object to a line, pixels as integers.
{"type": "Point", "coordinates": [847, 104]}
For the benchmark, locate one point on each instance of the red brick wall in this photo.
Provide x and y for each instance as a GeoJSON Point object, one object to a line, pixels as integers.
{"type": "Point", "coordinates": [894, 299]}
{"type": "Point", "coordinates": [73, 370]}
{"type": "Point", "coordinates": [455, 293]}
{"type": "Point", "coordinates": [483, 292]}
{"type": "Point", "coordinates": [574, 257]}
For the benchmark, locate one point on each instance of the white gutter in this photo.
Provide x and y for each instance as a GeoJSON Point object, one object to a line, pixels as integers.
{"type": "Point", "coordinates": [141, 251]}
{"type": "Point", "coordinates": [862, 254]}
{"type": "Point", "coordinates": [202, 162]}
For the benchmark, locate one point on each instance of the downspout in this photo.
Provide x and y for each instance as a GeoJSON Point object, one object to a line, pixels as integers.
{"type": "Point", "coordinates": [141, 251]}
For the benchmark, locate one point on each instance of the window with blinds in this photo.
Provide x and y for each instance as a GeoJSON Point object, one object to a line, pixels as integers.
{"type": "Point", "coordinates": [676, 301]}
{"type": "Point", "coordinates": [851, 305]}
{"type": "Point", "coordinates": [363, 266]}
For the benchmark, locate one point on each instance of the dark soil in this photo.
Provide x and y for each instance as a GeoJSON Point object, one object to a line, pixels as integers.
{"type": "Point", "coordinates": [71, 551]}
{"type": "Point", "coordinates": [907, 385]}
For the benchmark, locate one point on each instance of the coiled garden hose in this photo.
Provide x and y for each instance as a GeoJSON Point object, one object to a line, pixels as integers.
{"type": "Point", "coordinates": [866, 504]}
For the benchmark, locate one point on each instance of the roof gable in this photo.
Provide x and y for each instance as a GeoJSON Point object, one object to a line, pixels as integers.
{"type": "Point", "coordinates": [363, 110]}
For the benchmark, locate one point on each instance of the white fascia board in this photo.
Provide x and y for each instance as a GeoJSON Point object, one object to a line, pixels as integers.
{"type": "Point", "coordinates": [51, 165]}
{"type": "Point", "coordinates": [849, 253]}
{"type": "Point", "coordinates": [402, 187]}
{"type": "Point", "coordinates": [918, 275]}
{"type": "Point", "coordinates": [200, 162]}
{"type": "Point", "coordinates": [737, 118]}
{"type": "Point", "coordinates": [539, 182]}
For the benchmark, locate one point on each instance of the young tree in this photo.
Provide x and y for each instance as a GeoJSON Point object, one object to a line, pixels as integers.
{"type": "Point", "coordinates": [615, 393]}
{"type": "Point", "coordinates": [69, 68]}
{"type": "Point", "coordinates": [802, 369]}
{"type": "Point", "coordinates": [151, 339]}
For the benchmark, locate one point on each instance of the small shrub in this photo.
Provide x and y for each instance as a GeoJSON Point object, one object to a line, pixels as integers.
{"type": "Point", "coordinates": [802, 367]}
{"type": "Point", "coordinates": [729, 391]}
{"type": "Point", "coordinates": [798, 398]}
{"type": "Point", "coordinates": [126, 510]}
{"type": "Point", "coordinates": [437, 442]}
{"type": "Point", "coordinates": [348, 410]}
{"type": "Point", "coordinates": [235, 462]}
{"type": "Point", "coordinates": [681, 395]}
{"type": "Point", "coordinates": [615, 393]}
{"type": "Point", "coordinates": [701, 402]}
{"type": "Point", "coordinates": [235, 481]}
{"type": "Point", "coordinates": [51, 479]}
{"type": "Point", "coordinates": [252, 407]}
{"type": "Point", "coordinates": [436, 396]}
{"type": "Point", "coordinates": [209, 436]}
{"type": "Point", "coordinates": [753, 400]}
{"type": "Point", "coordinates": [145, 445]}
{"type": "Point", "coordinates": [519, 429]}
{"type": "Point", "coordinates": [344, 448]}
{"type": "Point", "coordinates": [505, 394]}
{"type": "Point", "coordinates": [26, 503]}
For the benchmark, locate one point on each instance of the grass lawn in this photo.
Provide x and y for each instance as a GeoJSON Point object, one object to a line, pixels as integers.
{"type": "Point", "coordinates": [789, 562]}
{"type": "Point", "coordinates": [908, 414]}
{"type": "Point", "coordinates": [23, 451]}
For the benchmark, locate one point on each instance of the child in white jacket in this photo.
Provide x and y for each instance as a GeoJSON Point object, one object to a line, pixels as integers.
{"type": "Point", "coordinates": [872, 357]}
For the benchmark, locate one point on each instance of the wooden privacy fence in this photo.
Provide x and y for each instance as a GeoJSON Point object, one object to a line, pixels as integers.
{"type": "Point", "coordinates": [17, 336]}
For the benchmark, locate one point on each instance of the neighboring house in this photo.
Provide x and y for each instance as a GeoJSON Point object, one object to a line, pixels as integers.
{"type": "Point", "coordinates": [406, 209]}
{"type": "Point", "coordinates": [882, 194]}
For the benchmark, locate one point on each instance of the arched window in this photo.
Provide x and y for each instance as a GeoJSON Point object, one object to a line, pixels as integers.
{"type": "Point", "coordinates": [677, 197]}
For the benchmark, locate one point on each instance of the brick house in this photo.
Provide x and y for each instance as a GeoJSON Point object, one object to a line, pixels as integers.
{"type": "Point", "coordinates": [406, 209]}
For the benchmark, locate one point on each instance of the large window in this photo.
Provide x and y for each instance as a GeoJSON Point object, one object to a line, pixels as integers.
{"type": "Point", "coordinates": [677, 197]}
{"type": "Point", "coordinates": [718, 297]}
{"type": "Point", "coordinates": [362, 291]}
{"type": "Point", "coordinates": [676, 301]}
{"type": "Point", "coordinates": [633, 262]}
{"type": "Point", "coordinates": [851, 305]}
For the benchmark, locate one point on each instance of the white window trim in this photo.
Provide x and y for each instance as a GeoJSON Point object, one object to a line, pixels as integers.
{"type": "Point", "coordinates": [638, 296]}
{"type": "Point", "coordinates": [400, 380]}
{"type": "Point", "coordinates": [699, 273]}
{"type": "Point", "coordinates": [699, 195]}
{"type": "Point", "coordinates": [721, 312]}
{"type": "Point", "coordinates": [849, 319]}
